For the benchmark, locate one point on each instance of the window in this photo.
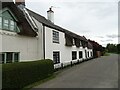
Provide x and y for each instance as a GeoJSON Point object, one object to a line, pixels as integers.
{"type": "Point", "coordinates": [80, 54]}
{"type": "Point", "coordinates": [0, 23]}
{"type": "Point", "coordinates": [6, 24]}
{"type": "Point", "coordinates": [80, 43]}
{"type": "Point", "coordinates": [85, 53]}
{"type": "Point", "coordinates": [56, 57]}
{"type": "Point", "coordinates": [9, 57]}
{"type": "Point", "coordinates": [91, 54]}
{"type": "Point", "coordinates": [12, 25]}
{"type": "Point", "coordinates": [2, 57]}
{"type": "Point", "coordinates": [88, 54]}
{"type": "Point", "coordinates": [55, 37]}
{"type": "Point", "coordinates": [73, 41]}
{"type": "Point", "coordinates": [16, 57]}
{"type": "Point", "coordinates": [74, 55]}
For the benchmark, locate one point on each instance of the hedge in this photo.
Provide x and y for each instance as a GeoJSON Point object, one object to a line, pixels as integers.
{"type": "Point", "coordinates": [19, 75]}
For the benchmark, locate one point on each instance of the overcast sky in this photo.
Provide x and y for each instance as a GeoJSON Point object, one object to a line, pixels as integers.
{"type": "Point", "coordinates": [95, 19]}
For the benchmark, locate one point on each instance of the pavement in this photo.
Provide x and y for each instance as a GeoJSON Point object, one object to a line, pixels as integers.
{"type": "Point", "coordinates": [96, 73]}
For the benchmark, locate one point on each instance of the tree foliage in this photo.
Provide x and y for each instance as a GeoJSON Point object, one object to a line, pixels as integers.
{"type": "Point", "coordinates": [113, 48]}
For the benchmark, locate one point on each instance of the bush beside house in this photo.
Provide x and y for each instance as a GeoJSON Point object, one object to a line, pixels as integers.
{"type": "Point", "coordinates": [19, 75]}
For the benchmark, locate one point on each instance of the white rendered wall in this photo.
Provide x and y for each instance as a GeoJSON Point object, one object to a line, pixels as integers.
{"type": "Point", "coordinates": [27, 46]}
{"type": "Point", "coordinates": [30, 48]}
{"type": "Point", "coordinates": [65, 51]}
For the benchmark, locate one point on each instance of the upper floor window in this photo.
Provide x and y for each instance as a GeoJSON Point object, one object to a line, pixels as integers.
{"type": "Point", "coordinates": [80, 43]}
{"type": "Point", "coordinates": [8, 24]}
{"type": "Point", "coordinates": [55, 37]}
{"type": "Point", "coordinates": [73, 41]}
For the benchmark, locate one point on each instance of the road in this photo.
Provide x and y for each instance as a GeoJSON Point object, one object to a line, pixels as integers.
{"type": "Point", "coordinates": [97, 73]}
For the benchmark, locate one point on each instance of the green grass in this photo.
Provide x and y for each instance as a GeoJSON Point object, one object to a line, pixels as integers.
{"type": "Point", "coordinates": [39, 82]}
{"type": "Point", "coordinates": [107, 54]}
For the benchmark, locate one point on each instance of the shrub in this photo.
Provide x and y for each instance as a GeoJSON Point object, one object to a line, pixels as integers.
{"type": "Point", "coordinates": [19, 75]}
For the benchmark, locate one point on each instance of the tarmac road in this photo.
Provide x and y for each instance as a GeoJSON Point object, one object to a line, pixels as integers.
{"type": "Point", "coordinates": [97, 73]}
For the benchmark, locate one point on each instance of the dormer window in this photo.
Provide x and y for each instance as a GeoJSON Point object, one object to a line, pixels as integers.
{"type": "Point", "coordinates": [80, 43]}
{"type": "Point", "coordinates": [8, 21]}
{"type": "Point", "coordinates": [8, 24]}
{"type": "Point", "coordinates": [73, 41]}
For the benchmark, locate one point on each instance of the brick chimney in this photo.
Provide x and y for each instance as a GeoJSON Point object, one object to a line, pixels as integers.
{"type": "Point", "coordinates": [20, 2]}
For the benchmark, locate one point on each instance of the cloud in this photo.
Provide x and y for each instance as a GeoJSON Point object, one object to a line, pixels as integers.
{"type": "Point", "coordinates": [95, 20]}
{"type": "Point", "coordinates": [100, 36]}
{"type": "Point", "coordinates": [113, 36]}
{"type": "Point", "coordinates": [108, 40]}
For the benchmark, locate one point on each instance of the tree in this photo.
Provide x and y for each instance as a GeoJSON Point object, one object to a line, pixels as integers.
{"type": "Point", "coordinates": [113, 48]}
{"type": "Point", "coordinates": [118, 48]}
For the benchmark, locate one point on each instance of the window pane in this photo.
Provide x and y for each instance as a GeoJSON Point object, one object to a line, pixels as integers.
{"type": "Point", "coordinates": [12, 25]}
{"type": "Point", "coordinates": [2, 58]}
{"type": "Point", "coordinates": [12, 28]}
{"type": "Point", "coordinates": [55, 37]}
{"type": "Point", "coordinates": [16, 57]}
{"type": "Point", "coordinates": [80, 54]}
{"type": "Point", "coordinates": [74, 55]}
{"type": "Point", "coordinates": [6, 24]}
{"type": "Point", "coordinates": [56, 57]}
{"type": "Point", "coordinates": [88, 54]}
{"type": "Point", "coordinates": [9, 57]}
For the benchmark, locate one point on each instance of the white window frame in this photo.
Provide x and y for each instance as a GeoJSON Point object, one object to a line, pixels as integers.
{"type": "Point", "coordinates": [0, 22]}
{"type": "Point", "coordinates": [13, 54]}
{"type": "Point", "coordinates": [55, 36]}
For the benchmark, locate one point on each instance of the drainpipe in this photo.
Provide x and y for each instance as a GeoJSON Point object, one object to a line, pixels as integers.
{"type": "Point", "coordinates": [44, 41]}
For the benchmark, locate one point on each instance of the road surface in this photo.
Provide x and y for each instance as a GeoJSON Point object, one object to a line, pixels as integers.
{"type": "Point", "coordinates": [97, 73]}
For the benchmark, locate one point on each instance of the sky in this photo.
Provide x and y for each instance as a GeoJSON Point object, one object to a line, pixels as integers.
{"type": "Point", "coordinates": [95, 19]}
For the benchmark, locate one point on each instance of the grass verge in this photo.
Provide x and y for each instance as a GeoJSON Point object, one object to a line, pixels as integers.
{"type": "Point", "coordinates": [106, 54]}
{"type": "Point", "coordinates": [39, 82]}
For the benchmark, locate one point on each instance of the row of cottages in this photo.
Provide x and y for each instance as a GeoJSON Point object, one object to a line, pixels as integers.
{"type": "Point", "coordinates": [28, 36]}
{"type": "Point", "coordinates": [98, 50]}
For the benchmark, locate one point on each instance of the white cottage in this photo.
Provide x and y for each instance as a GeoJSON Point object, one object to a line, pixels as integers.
{"type": "Point", "coordinates": [28, 36]}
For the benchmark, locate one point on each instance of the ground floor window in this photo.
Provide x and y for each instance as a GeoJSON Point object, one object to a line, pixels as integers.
{"type": "Point", "coordinates": [74, 55]}
{"type": "Point", "coordinates": [91, 54]}
{"type": "Point", "coordinates": [9, 57]}
{"type": "Point", "coordinates": [80, 54]}
{"type": "Point", "coordinates": [88, 54]}
{"type": "Point", "coordinates": [56, 57]}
